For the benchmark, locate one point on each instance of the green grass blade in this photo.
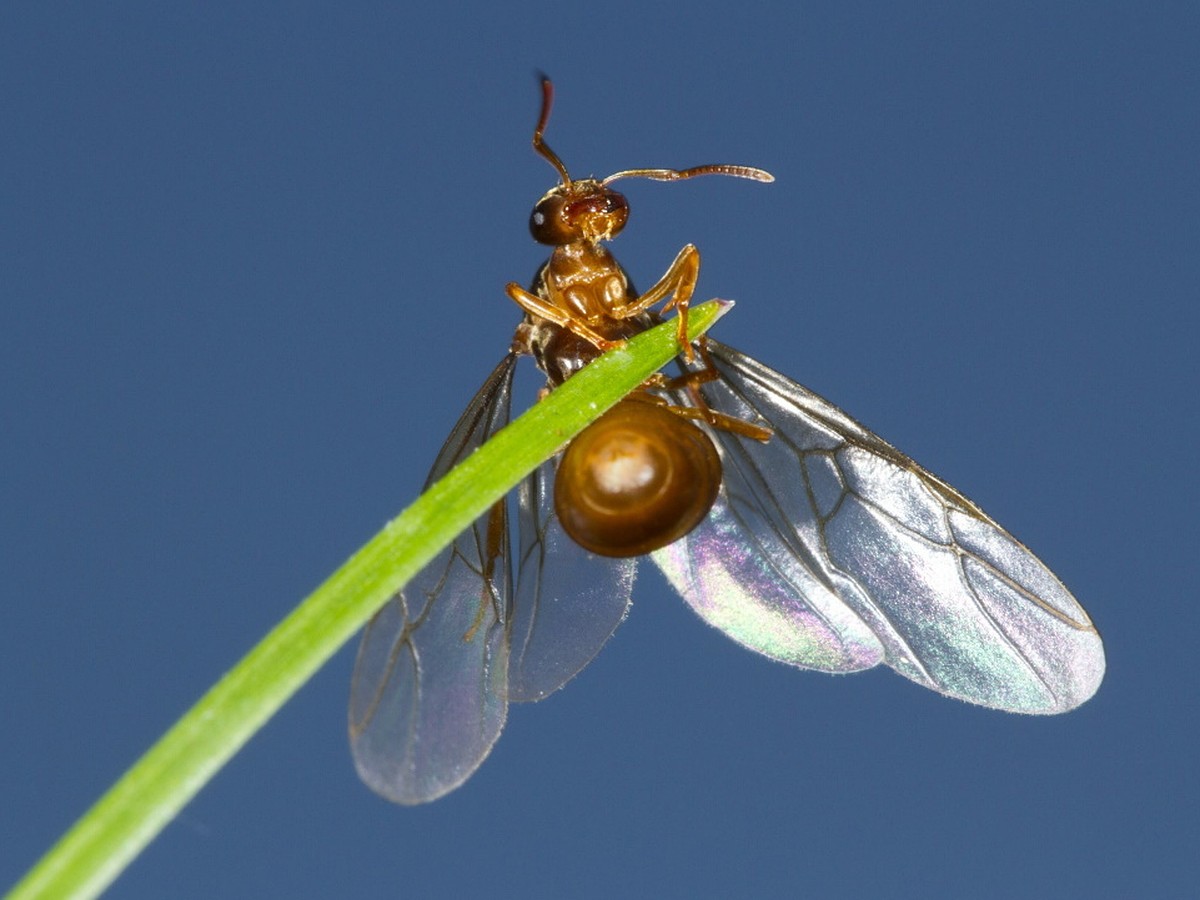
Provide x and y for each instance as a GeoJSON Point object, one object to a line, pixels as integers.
{"type": "Point", "coordinates": [123, 821]}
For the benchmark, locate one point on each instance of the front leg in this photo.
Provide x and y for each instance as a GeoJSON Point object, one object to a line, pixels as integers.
{"type": "Point", "coordinates": [536, 306]}
{"type": "Point", "coordinates": [680, 282]}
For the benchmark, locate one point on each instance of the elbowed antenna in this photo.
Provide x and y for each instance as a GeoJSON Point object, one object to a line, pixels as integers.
{"type": "Point", "coordinates": [543, 149]}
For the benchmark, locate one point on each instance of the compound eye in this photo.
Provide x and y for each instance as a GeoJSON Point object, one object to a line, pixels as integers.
{"type": "Point", "coordinates": [549, 222]}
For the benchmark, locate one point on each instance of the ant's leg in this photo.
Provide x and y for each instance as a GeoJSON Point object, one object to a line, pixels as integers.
{"type": "Point", "coordinates": [724, 422]}
{"type": "Point", "coordinates": [679, 281]}
{"type": "Point", "coordinates": [535, 305]}
{"type": "Point", "coordinates": [691, 381]}
{"type": "Point", "coordinates": [694, 377]}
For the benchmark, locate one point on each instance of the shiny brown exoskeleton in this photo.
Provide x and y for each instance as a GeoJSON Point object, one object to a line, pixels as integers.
{"type": "Point", "coordinates": [642, 475]}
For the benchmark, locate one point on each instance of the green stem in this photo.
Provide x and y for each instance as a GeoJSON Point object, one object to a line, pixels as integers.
{"type": "Point", "coordinates": [123, 821]}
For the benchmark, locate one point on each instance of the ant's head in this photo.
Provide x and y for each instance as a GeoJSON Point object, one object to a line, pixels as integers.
{"type": "Point", "coordinates": [578, 211]}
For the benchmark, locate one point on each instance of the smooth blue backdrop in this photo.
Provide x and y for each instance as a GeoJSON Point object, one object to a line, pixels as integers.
{"type": "Point", "coordinates": [252, 261]}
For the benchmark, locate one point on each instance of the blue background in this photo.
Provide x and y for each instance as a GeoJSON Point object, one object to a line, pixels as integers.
{"type": "Point", "coordinates": [251, 269]}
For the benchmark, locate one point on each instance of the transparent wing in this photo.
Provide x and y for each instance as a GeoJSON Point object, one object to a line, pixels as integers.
{"type": "Point", "coordinates": [427, 701]}
{"type": "Point", "coordinates": [830, 549]}
{"type": "Point", "coordinates": [568, 602]}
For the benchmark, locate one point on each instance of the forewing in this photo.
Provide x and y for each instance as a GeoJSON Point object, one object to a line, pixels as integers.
{"type": "Point", "coordinates": [427, 701]}
{"type": "Point", "coordinates": [568, 601]}
{"type": "Point", "coordinates": [950, 599]}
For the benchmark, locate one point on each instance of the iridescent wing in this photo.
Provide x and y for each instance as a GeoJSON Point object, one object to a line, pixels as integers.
{"type": "Point", "coordinates": [831, 550]}
{"type": "Point", "coordinates": [427, 701]}
{"type": "Point", "coordinates": [439, 663]}
{"type": "Point", "coordinates": [569, 601]}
